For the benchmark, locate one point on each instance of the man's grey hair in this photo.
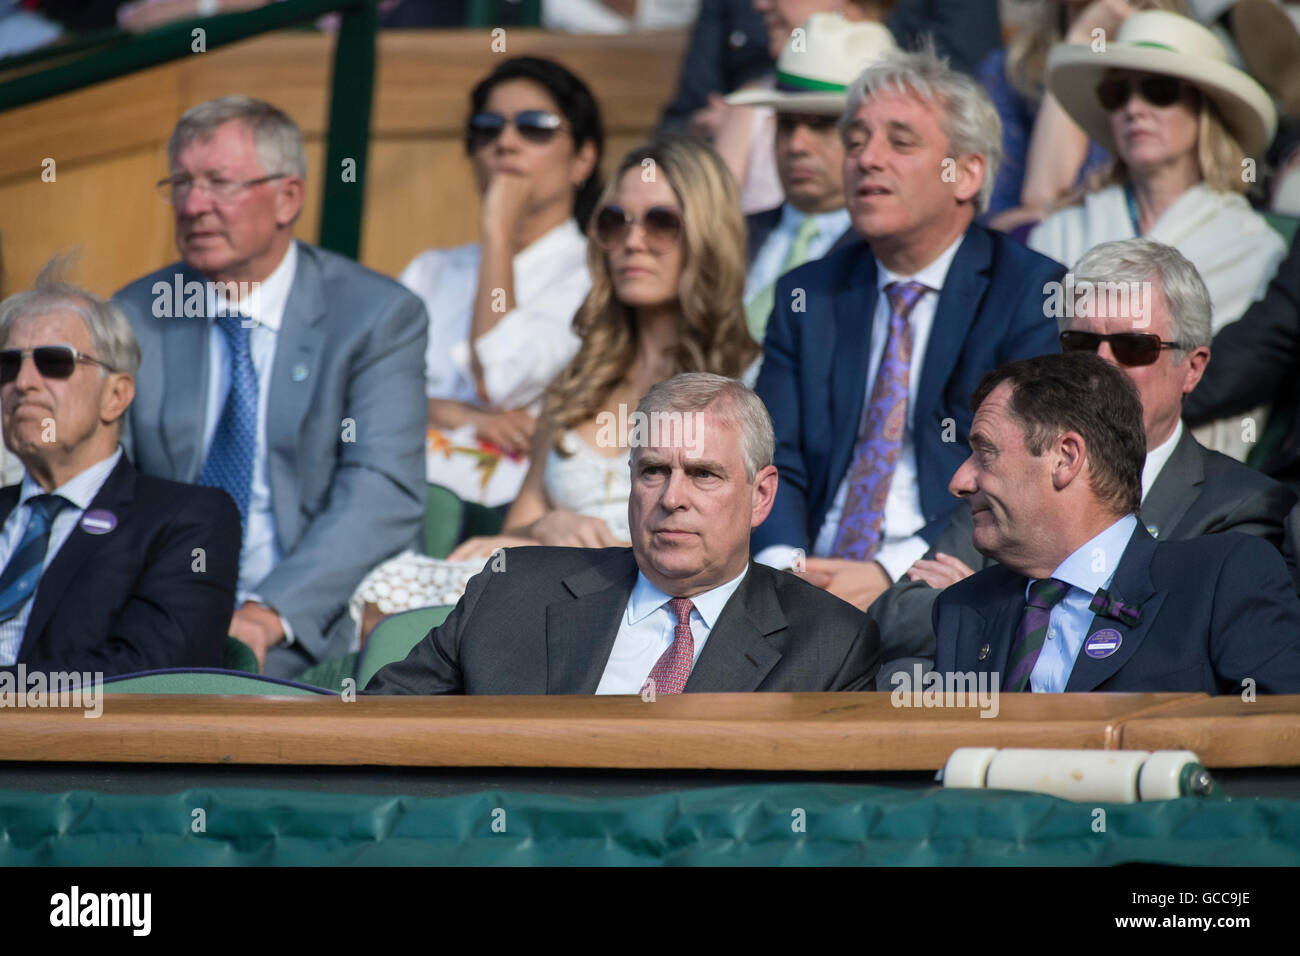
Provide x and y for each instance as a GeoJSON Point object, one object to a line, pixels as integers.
{"type": "Point", "coordinates": [970, 120]}
{"type": "Point", "coordinates": [731, 402]}
{"type": "Point", "coordinates": [275, 134]}
{"type": "Point", "coordinates": [110, 333]}
{"type": "Point", "coordinates": [1134, 261]}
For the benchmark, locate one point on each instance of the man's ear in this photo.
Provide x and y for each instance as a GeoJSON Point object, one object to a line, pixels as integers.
{"type": "Point", "coordinates": [1071, 455]}
{"type": "Point", "coordinates": [971, 170]}
{"type": "Point", "coordinates": [765, 483]}
{"type": "Point", "coordinates": [288, 200]}
{"type": "Point", "coordinates": [115, 397]}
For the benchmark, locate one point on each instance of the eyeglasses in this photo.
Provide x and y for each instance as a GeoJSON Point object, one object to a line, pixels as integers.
{"type": "Point", "coordinates": [535, 126]}
{"type": "Point", "coordinates": [662, 226]}
{"type": "Point", "coordinates": [1115, 91]}
{"type": "Point", "coordinates": [1129, 348]}
{"type": "Point", "coordinates": [52, 361]}
{"type": "Point", "coordinates": [176, 189]}
{"type": "Point", "coordinates": [817, 122]}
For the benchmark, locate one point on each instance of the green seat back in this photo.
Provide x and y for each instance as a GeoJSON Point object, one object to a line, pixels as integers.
{"type": "Point", "coordinates": [394, 636]}
{"type": "Point", "coordinates": [202, 681]}
{"type": "Point", "coordinates": [238, 656]}
{"type": "Point", "coordinates": [444, 513]}
{"type": "Point", "coordinates": [331, 673]}
{"type": "Point", "coordinates": [1285, 226]}
{"type": "Point", "coordinates": [482, 521]}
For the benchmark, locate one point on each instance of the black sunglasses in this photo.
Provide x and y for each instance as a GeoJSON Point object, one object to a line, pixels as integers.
{"type": "Point", "coordinates": [1129, 348]}
{"type": "Point", "coordinates": [662, 226]}
{"type": "Point", "coordinates": [535, 126]}
{"type": "Point", "coordinates": [52, 361]}
{"type": "Point", "coordinates": [1115, 91]}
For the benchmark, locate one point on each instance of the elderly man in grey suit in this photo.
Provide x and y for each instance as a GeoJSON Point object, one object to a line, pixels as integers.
{"type": "Point", "coordinates": [1141, 306]}
{"type": "Point", "coordinates": [287, 375]}
{"type": "Point", "coordinates": [683, 609]}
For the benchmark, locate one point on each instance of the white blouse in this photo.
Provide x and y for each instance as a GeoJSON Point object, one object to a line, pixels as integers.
{"type": "Point", "coordinates": [530, 345]}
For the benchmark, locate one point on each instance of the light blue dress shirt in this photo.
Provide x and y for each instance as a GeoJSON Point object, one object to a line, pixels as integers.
{"type": "Point", "coordinates": [646, 631]}
{"type": "Point", "coordinates": [771, 254]}
{"type": "Point", "coordinates": [1087, 569]}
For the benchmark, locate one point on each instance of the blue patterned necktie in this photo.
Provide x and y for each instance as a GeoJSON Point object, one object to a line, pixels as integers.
{"type": "Point", "coordinates": [23, 572]}
{"type": "Point", "coordinates": [229, 464]}
{"type": "Point", "coordinates": [861, 525]}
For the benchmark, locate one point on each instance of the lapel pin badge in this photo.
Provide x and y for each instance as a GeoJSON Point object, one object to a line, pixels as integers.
{"type": "Point", "coordinates": [98, 521]}
{"type": "Point", "coordinates": [1103, 643]}
{"type": "Point", "coordinates": [984, 652]}
{"type": "Point", "coordinates": [299, 373]}
{"type": "Point", "coordinates": [1153, 530]}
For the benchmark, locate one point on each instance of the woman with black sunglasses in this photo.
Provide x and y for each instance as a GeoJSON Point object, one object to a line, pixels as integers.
{"type": "Point", "coordinates": [666, 253]}
{"type": "Point", "coordinates": [1182, 123]}
{"type": "Point", "coordinates": [500, 310]}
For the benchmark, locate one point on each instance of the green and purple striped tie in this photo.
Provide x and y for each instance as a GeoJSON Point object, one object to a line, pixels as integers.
{"type": "Point", "coordinates": [1044, 594]}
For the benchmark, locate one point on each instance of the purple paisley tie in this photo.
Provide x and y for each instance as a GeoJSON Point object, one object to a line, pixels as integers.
{"type": "Point", "coordinates": [861, 526]}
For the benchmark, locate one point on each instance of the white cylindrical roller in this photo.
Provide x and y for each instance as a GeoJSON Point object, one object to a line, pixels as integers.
{"type": "Point", "coordinates": [968, 767]}
{"type": "Point", "coordinates": [1104, 776]}
{"type": "Point", "coordinates": [1164, 775]}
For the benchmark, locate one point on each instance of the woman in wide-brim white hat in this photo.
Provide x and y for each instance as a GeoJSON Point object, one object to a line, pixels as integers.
{"type": "Point", "coordinates": [1182, 124]}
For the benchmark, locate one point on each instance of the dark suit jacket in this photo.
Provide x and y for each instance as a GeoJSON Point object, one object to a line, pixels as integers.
{"type": "Point", "coordinates": [814, 373]}
{"type": "Point", "coordinates": [345, 421]}
{"type": "Point", "coordinates": [1256, 360]}
{"type": "Point", "coordinates": [1216, 610]}
{"type": "Point", "coordinates": [728, 47]}
{"type": "Point", "coordinates": [132, 599]}
{"type": "Point", "coordinates": [546, 625]}
{"type": "Point", "coordinates": [1197, 492]}
{"type": "Point", "coordinates": [759, 225]}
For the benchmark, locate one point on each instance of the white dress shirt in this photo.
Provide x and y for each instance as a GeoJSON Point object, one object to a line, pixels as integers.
{"type": "Point", "coordinates": [80, 491]}
{"type": "Point", "coordinates": [260, 552]}
{"type": "Point", "coordinates": [531, 344]}
{"type": "Point", "coordinates": [646, 631]}
{"type": "Point", "coordinates": [771, 255]}
{"type": "Point", "coordinates": [903, 518]}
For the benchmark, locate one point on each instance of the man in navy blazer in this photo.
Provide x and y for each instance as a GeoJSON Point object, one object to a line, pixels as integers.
{"type": "Point", "coordinates": [1083, 598]}
{"type": "Point", "coordinates": [102, 569]}
{"type": "Point", "coordinates": [917, 171]}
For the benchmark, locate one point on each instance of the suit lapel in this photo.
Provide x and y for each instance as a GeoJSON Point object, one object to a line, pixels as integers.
{"type": "Point", "coordinates": [580, 633]}
{"type": "Point", "coordinates": [1175, 488]}
{"type": "Point", "coordinates": [294, 372]}
{"type": "Point", "coordinates": [1001, 619]}
{"type": "Point", "coordinates": [115, 496]}
{"type": "Point", "coordinates": [854, 308]}
{"type": "Point", "coordinates": [963, 290]}
{"type": "Point", "coordinates": [737, 656]}
{"type": "Point", "coordinates": [1131, 584]}
{"type": "Point", "coordinates": [186, 360]}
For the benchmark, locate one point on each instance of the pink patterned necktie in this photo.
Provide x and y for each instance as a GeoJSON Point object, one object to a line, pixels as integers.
{"type": "Point", "coordinates": [674, 666]}
{"type": "Point", "coordinates": [860, 530]}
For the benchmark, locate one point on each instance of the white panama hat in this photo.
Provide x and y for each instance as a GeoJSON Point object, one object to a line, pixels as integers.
{"type": "Point", "coordinates": [819, 63]}
{"type": "Point", "coordinates": [1155, 41]}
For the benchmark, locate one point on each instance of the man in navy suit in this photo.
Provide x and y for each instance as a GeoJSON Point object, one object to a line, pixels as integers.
{"type": "Point", "coordinates": [871, 353]}
{"type": "Point", "coordinates": [1083, 598]}
{"type": "Point", "coordinates": [101, 568]}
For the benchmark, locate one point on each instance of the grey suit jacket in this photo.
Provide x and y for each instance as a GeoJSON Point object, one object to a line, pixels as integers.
{"type": "Point", "coordinates": [546, 625]}
{"type": "Point", "coordinates": [345, 432]}
{"type": "Point", "coordinates": [1197, 492]}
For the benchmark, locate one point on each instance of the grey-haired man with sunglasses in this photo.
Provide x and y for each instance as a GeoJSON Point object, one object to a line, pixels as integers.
{"type": "Point", "coordinates": [102, 569]}
{"type": "Point", "coordinates": [1140, 305]}
{"type": "Point", "coordinates": [289, 376]}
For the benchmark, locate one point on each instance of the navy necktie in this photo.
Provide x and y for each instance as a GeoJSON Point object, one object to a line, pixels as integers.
{"type": "Point", "coordinates": [229, 464]}
{"type": "Point", "coordinates": [23, 572]}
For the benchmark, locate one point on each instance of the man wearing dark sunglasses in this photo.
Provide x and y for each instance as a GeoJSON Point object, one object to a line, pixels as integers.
{"type": "Point", "coordinates": [102, 569]}
{"type": "Point", "coordinates": [304, 398]}
{"type": "Point", "coordinates": [1160, 339]}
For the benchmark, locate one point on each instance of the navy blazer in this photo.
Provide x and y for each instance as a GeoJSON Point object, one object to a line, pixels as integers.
{"type": "Point", "coordinates": [814, 373]}
{"type": "Point", "coordinates": [139, 596]}
{"type": "Point", "coordinates": [1215, 611]}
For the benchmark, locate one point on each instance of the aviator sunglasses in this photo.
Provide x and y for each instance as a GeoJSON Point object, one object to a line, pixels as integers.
{"type": "Point", "coordinates": [662, 226]}
{"type": "Point", "coordinates": [1129, 348]}
{"type": "Point", "coordinates": [534, 126]}
{"type": "Point", "coordinates": [1157, 90]}
{"type": "Point", "coordinates": [52, 361]}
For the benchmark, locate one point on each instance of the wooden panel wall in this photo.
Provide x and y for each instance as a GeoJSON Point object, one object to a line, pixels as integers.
{"type": "Point", "coordinates": [108, 143]}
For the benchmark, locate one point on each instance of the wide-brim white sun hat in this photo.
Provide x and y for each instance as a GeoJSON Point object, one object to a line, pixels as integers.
{"type": "Point", "coordinates": [1155, 41]}
{"type": "Point", "coordinates": [819, 63]}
